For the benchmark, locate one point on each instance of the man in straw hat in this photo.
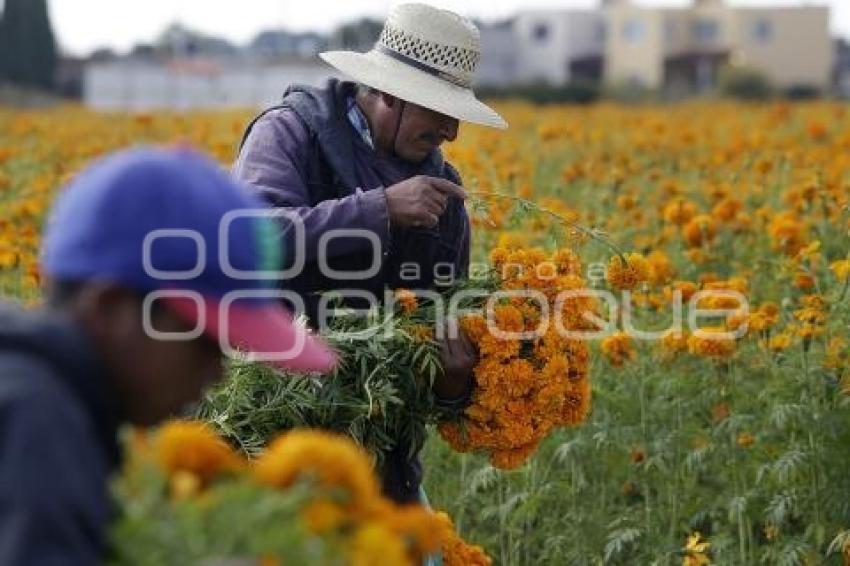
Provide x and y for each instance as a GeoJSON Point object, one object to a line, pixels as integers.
{"type": "Point", "coordinates": [365, 156]}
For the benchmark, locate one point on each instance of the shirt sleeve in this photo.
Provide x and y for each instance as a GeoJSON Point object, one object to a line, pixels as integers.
{"type": "Point", "coordinates": [274, 162]}
{"type": "Point", "coordinates": [53, 494]}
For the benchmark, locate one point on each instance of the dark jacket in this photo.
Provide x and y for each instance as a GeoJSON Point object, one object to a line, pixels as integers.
{"type": "Point", "coordinates": [57, 443]}
{"type": "Point", "coordinates": [306, 157]}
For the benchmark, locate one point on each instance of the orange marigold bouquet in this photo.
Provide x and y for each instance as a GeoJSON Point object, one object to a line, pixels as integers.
{"type": "Point", "coordinates": [532, 373]}
{"type": "Point", "coordinates": [531, 376]}
{"type": "Point", "coordinates": [311, 497]}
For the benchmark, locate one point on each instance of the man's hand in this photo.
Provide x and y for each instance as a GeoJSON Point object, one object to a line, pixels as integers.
{"type": "Point", "coordinates": [420, 201]}
{"type": "Point", "coordinates": [459, 357]}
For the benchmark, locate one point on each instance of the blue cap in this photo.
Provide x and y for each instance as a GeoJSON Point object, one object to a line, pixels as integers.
{"type": "Point", "coordinates": [151, 219]}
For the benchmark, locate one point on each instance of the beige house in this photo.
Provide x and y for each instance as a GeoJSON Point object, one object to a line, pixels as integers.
{"type": "Point", "coordinates": [686, 47]}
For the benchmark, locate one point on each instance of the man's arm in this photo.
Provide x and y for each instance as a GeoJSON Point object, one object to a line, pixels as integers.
{"type": "Point", "coordinates": [53, 499]}
{"type": "Point", "coordinates": [273, 162]}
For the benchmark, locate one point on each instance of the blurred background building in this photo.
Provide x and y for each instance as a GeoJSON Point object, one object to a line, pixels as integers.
{"type": "Point", "coordinates": [621, 44]}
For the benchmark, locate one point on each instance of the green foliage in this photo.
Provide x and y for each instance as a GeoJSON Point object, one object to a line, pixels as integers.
{"type": "Point", "coordinates": [232, 520]}
{"type": "Point", "coordinates": [27, 45]}
{"type": "Point", "coordinates": [744, 84]}
{"type": "Point", "coordinates": [379, 395]}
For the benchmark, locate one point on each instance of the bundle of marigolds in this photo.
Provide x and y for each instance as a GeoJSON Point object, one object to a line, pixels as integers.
{"type": "Point", "coordinates": [311, 498]}
{"type": "Point", "coordinates": [532, 372]}
{"type": "Point", "coordinates": [380, 395]}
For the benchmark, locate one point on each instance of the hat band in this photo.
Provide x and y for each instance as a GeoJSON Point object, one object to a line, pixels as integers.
{"type": "Point", "coordinates": [420, 66]}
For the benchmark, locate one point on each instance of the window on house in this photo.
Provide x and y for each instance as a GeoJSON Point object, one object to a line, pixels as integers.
{"type": "Point", "coordinates": [762, 31]}
{"type": "Point", "coordinates": [670, 30]}
{"type": "Point", "coordinates": [601, 32]}
{"type": "Point", "coordinates": [706, 31]}
{"type": "Point", "coordinates": [540, 32]}
{"type": "Point", "coordinates": [633, 31]}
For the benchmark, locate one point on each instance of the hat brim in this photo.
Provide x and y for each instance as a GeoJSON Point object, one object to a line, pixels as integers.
{"type": "Point", "coordinates": [265, 330]}
{"type": "Point", "coordinates": [384, 73]}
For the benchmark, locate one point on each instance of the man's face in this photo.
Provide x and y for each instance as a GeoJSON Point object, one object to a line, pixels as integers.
{"type": "Point", "coordinates": [155, 379]}
{"type": "Point", "coordinates": [422, 131]}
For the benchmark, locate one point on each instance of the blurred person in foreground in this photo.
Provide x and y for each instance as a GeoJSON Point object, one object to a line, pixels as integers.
{"type": "Point", "coordinates": [366, 156]}
{"type": "Point", "coordinates": [131, 333]}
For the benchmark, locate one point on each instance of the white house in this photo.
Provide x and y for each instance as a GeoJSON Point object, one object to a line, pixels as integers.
{"type": "Point", "coordinates": [192, 84]}
{"type": "Point", "coordinates": [556, 45]}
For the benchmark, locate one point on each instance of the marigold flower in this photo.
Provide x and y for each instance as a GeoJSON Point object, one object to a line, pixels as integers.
{"type": "Point", "coordinates": [332, 461]}
{"type": "Point", "coordinates": [837, 354]}
{"type": "Point", "coordinates": [788, 233]}
{"type": "Point", "coordinates": [626, 276]}
{"type": "Point", "coordinates": [456, 552]}
{"type": "Point", "coordinates": [841, 269]}
{"type": "Point", "coordinates": [374, 543]}
{"type": "Point", "coordinates": [679, 211]}
{"type": "Point", "coordinates": [804, 280]}
{"type": "Point", "coordinates": [637, 456]}
{"type": "Point", "coordinates": [699, 230]}
{"type": "Point", "coordinates": [661, 269]}
{"type": "Point", "coordinates": [779, 342]}
{"type": "Point", "coordinates": [720, 412]}
{"type": "Point", "coordinates": [771, 532]}
{"type": "Point", "coordinates": [687, 289]}
{"type": "Point", "coordinates": [696, 551]}
{"type": "Point", "coordinates": [525, 388]}
{"type": "Point", "coordinates": [674, 342]}
{"type": "Point", "coordinates": [711, 343]}
{"type": "Point", "coordinates": [407, 300]}
{"type": "Point", "coordinates": [727, 209]}
{"type": "Point", "coordinates": [192, 447]}
{"type": "Point", "coordinates": [618, 348]}
{"type": "Point", "coordinates": [746, 440]}
{"type": "Point", "coordinates": [421, 332]}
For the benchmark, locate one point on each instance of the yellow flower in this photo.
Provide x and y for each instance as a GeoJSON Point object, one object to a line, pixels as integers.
{"type": "Point", "coordinates": [746, 440]}
{"type": "Point", "coordinates": [837, 354]}
{"type": "Point", "coordinates": [779, 342]}
{"type": "Point", "coordinates": [331, 460]}
{"type": "Point", "coordinates": [841, 269]}
{"type": "Point", "coordinates": [619, 348]}
{"type": "Point", "coordinates": [322, 515]}
{"type": "Point", "coordinates": [674, 342]}
{"type": "Point", "coordinates": [710, 343]}
{"type": "Point", "coordinates": [626, 276]}
{"type": "Point", "coordinates": [421, 332]}
{"type": "Point", "coordinates": [456, 552]}
{"type": "Point", "coordinates": [407, 300]}
{"type": "Point", "coordinates": [679, 211]}
{"type": "Point", "coordinates": [771, 532]}
{"type": "Point", "coordinates": [191, 447]}
{"type": "Point", "coordinates": [184, 485]}
{"type": "Point", "coordinates": [788, 233]}
{"type": "Point", "coordinates": [374, 543]}
{"type": "Point", "coordinates": [696, 551]}
{"type": "Point", "coordinates": [661, 268]}
{"type": "Point", "coordinates": [699, 230]}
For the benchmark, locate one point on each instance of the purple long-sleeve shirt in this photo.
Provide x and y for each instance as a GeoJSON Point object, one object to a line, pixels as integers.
{"type": "Point", "coordinates": [284, 162]}
{"type": "Point", "coordinates": [275, 162]}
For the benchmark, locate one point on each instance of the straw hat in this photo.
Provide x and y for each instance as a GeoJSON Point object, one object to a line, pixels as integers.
{"type": "Point", "coordinates": [426, 56]}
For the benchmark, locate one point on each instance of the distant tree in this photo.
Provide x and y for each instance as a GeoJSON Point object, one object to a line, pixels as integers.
{"type": "Point", "coordinates": [359, 35]}
{"type": "Point", "coordinates": [27, 45]}
{"type": "Point", "coordinates": [744, 83]}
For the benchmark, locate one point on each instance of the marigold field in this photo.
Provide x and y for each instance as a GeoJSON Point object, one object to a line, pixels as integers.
{"type": "Point", "coordinates": [696, 450]}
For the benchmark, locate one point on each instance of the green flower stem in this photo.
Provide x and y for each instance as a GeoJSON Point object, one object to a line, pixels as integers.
{"type": "Point", "coordinates": [592, 233]}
